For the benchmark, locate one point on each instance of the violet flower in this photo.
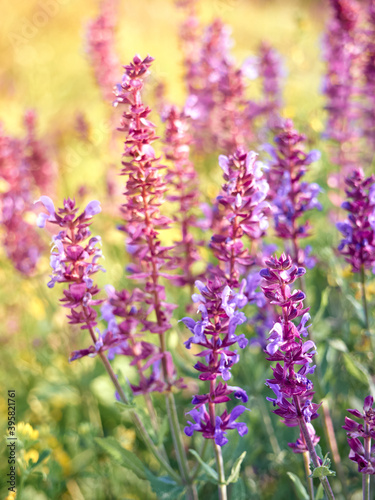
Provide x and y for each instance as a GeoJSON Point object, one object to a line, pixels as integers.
{"type": "Point", "coordinates": [358, 244]}
{"type": "Point", "coordinates": [100, 46]}
{"type": "Point", "coordinates": [290, 383]}
{"type": "Point", "coordinates": [244, 211]}
{"type": "Point", "coordinates": [216, 334]}
{"type": "Point", "coordinates": [290, 197]}
{"type": "Point", "coordinates": [362, 454]}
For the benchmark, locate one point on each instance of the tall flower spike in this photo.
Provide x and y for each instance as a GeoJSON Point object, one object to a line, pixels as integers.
{"type": "Point", "coordinates": [144, 194]}
{"type": "Point", "coordinates": [293, 389]}
{"type": "Point", "coordinates": [358, 244]}
{"type": "Point", "coordinates": [215, 333]}
{"type": "Point", "coordinates": [100, 46]}
{"type": "Point", "coordinates": [181, 175]}
{"type": "Point", "coordinates": [268, 66]}
{"type": "Point", "coordinates": [369, 79]}
{"type": "Point", "coordinates": [290, 197]}
{"type": "Point", "coordinates": [244, 211]}
{"type": "Point", "coordinates": [203, 83]}
{"type": "Point", "coordinates": [341, 51]}
{"type": "Point", "coordinates": [24, 166]}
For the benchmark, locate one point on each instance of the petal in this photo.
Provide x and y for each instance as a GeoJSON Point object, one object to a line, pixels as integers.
{"type": "Point", "coordinates": [48, 204]}
{"type": "Point", "coordinates": [92, 208]}
{"type": "Point", "coordinates": [42, 219]}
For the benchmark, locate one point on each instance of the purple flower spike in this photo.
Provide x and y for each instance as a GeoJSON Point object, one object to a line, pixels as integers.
{"type": "Point", "coordinates": [181, 175]}
{"type": "Point", "coordinates": [145, 193]}
{"type": "Point", "coordinates": [215, 333]}
{"type": "Point", "coordinates": [74, 260]}
{"type": "Point", "coordinates": [100, 47]}
{"type": "Point", "coordinates": [242, 210]}
{"type": "Point", "coordinates": [290, 197]}
{"type": "Point", "coordinates": [292, 388]}
{"type": "Point", "coordinates": [365, 431]}
{"type": "Point", "coordinates": [358, 244]}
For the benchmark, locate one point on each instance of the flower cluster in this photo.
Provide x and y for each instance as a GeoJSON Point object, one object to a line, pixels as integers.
{"type": "Point", "coordinates": [358, 244]}
{"type": "Point", "coordinates": [24, 167]}
{"type": "Point", "coordinates": [144, 194]}
{"type": "Point", "coordinates": [292, 388]}
{"type": "Point", "coordinates": [363, 455]}
{"type": "Point", "coordinates": [123, 315]}
{"type": "Point", "coordinates": [244, 211]}
{"type": "Point", "coordinates": [74, 260]}
{"type": "Point", "coordinates": [268, 66]}
{"type": "Point", "coordinates": [341, 52]}
{"type": "Point", "coordinates": [215, 333]}
{"type": "Point", "coordinates": [290, 197]}
{"type": "Point", "coordinates": [182, 177]}
{"type": "Point", "coordinates": [369, 78]}
{"type": "Point", "coordinates": [101, 48]}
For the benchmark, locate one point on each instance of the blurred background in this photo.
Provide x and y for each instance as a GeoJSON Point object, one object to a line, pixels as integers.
{"type": "Point", "coordinates": [44, 67]}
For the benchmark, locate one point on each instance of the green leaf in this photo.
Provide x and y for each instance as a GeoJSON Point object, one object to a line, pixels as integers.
{"type": "Point", "coordinates": [323, 305]}
{"type": "Point", "coordinates": [358, 308]}
{"type": "Point", "coordinates": [235, 472]}
{"type": "Point", "coordinates": [238, 490]}
{"type": "Point", "coordinates": [124, 407]}
{"type": "Point", "coordinates": [42, 456]}
{"type": "Point", "coordinates": [298, 486]}
{"type": "Point", "coordinates": [338, 344]}
{"type": "Point", "coordinates": [356, 369]}
{"type": "Point", "coordinates": [322, 471]}
{"type": "Point", "coordinates": [122, 456]}
{"type": "Point", "coordinates": [320, 492]}
{"type": "Point", "coordinates": [209, 470]}
{"type": "Point", "coordinates": [319, 452]}
{"type": "Point", "coordinates": [164, 487]}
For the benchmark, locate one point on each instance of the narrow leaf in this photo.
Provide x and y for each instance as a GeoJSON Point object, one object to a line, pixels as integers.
{"type": "Point", "coordinates": [235, 472]}
{"type": "Point", "coordinates": [210, 471]}
{"type": "Point", "coordinates": [298, 486]}
{"type": "Point", "coordinates": [338, 344]}
{"type": "Point", "coordinates": [122, 456]}
{"type": "Point", "coordinates": [164, 487]}
{"type": "Point", "coordinates": [320, 493]}
{"type": "Point", "coordinates": [124, 407]}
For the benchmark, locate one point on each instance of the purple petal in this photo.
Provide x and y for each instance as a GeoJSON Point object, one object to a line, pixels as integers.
{"type": "Point", "coordinates": [92, 208]}
{"type": "Point", "coordinates": [48, 204]}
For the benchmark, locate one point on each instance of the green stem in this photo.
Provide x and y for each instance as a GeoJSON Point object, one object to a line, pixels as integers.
{"type": "Point", "coordinates": [134, 415]}
{"type": "Point", "coordinates": [202, 452]}
{"type": "Point", "coordinates": [310, 447]}
{"type": "Point", "coordinates": [180, 450]}
{"type": "Point", "coordinates": [364, 298]}
{"type": "Point", "coordinates": [269, 427]}
{"type": "Point", "coordinates": [138, 422]}
{"type": "Point", "coordinates": [328, 425]}
{"type": "Point", "coordinates": [306, 461]}
{"type": "Point", "coordinates": [221, 472]}
{"type": "Point", "coordinates": [366, 477]}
